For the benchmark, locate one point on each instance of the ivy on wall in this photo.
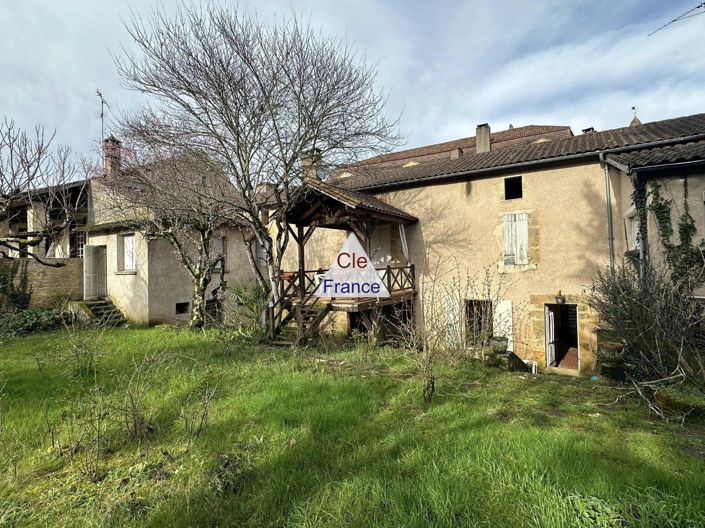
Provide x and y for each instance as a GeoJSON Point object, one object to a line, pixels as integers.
{"type": "Point", "coordinates": [684, 258]}
{"type": "Point", "coordinates": [15, 291]}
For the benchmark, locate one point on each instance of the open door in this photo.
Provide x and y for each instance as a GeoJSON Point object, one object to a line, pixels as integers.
{"type": "Point", "coordinates": [562, 339]}
{"type": "Point", "coordinates": [550, 337]}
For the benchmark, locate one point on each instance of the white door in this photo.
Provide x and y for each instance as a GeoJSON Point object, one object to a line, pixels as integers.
{"type": "Point", "coordinates": [89, 273]}
{"type": "Point", "coordinates": [550, 336]}
{"type": "Point", "coordinates": [101, 272]}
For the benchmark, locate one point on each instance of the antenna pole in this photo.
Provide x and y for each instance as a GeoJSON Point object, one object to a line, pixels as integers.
{"type": "Point", "coordinates": [103, 104]}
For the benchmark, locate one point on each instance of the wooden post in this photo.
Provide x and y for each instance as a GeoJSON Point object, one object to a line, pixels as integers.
{"type": "Point", "coordinates": [413, 277]}
{"type": "Point", "coordinates": [302, 280]}
{"type": "Point", "coordinates": [389, 279]}
{"type": "Point", "coordinates": [302, 262]}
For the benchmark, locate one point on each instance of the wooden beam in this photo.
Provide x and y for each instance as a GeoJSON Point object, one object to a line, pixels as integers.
{"type": "Point", "coordinates": [308, 234]}
{"type": "Point", "coordinates": [291, 232]}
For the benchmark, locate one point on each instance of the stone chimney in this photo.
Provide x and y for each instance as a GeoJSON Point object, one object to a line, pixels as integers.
{"type": "Point", "coordinates": [311, 161]}
{"type": "Point", "coordinates": [111, 155]}
{"type": "Point", "coordinates": [482, 138]}
{"type": "Point", "coordinates": [455, 153]}
{"type": "Point", "coordinates": [589, 130]}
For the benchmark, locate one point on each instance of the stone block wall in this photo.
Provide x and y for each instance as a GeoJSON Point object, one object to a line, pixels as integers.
{"type": "Point", "coordinates": [48, 283]}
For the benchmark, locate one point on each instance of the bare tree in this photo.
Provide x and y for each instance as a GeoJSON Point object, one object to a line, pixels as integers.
{"type": "Point", "coordinates": [442, 329]}
{"type": "Point", "coordinates": [36, 204]}
{"type": "Point", "coordinates": [177, 196]}
{"type": "Point", "coordinates": [259, 100]}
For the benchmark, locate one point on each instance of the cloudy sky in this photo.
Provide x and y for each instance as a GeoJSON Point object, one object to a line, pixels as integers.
{"type": "Point", "coordinates": [447, 65]}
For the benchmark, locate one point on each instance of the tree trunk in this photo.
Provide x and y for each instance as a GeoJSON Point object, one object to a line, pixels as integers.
{"type": "Point", "coordinates": [198, 303]}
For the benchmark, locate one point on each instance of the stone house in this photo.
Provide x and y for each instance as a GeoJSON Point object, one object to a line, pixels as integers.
{"type": "Point", "coordinates": [538, 206]}
{"type": "Point", "coordinates": [140, 274]}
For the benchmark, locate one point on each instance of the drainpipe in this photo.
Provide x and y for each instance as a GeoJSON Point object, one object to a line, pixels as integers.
{"type": "Point", "coordinates": [608, 194]}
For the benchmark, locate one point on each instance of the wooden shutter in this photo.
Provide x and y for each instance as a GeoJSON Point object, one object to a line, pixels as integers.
{"type": "Point", "coordinates": [516, 239]}
{"type": "Point", "coordinates": [509, 239]}
{"type": "Point", "coordinates": [128, 242]}
{"type": "Point", "coordinates": [521, 222]}
{"type": "Point", "coordinates": [502, 323]}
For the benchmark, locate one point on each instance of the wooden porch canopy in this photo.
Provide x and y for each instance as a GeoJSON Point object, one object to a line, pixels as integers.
{"type": "Point", "coordinates": [325, 205]}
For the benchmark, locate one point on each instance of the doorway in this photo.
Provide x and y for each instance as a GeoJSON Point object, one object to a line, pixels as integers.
{"type": "Point", "coordinates": [101, 272]}
{"type": "Point", "coordinates": [562, 343]}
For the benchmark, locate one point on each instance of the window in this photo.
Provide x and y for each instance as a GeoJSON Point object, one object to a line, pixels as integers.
{"type": "Point", "coordinates": [632, 229]}
{"type": "Point", "coordinates": [182, 307]}
{"type": "Point", "coordinates": [218, 249]}
{"type": "Point", "coordinates": [478, 321]}
{"type": "Point", "coordinates": [126, 253]}
{"type": "Point", "coordinates": [516, 239]}
{"type": "Point", "coordinates": [512, 188]}
{"type": "Point", "coordinates": [77, 239]}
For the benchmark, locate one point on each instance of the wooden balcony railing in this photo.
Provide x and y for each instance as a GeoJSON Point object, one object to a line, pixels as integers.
{"type": "Point", "coordinates": [396, 278]}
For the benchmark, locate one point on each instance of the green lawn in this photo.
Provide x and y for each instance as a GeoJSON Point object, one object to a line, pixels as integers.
{"type": "Point", "coordinates": [306, 439]}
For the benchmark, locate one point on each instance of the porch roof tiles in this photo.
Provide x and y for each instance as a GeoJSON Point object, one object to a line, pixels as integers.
{"type": "Point", "coordinates": [654, 157]}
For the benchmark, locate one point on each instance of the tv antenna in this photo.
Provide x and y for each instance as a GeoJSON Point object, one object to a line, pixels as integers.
{"type": "Point", "coordinates": [697, 10]}
{"type": "Point", "coordinates": [103, 104]}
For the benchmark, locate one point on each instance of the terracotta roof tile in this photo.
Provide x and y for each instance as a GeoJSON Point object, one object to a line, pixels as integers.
{"type": "Point", "coordinates": [683, 152]}
{"type": "Point", "coordinates": [502, 139]}
{"type": "Point", "coordinates": [377, 178]}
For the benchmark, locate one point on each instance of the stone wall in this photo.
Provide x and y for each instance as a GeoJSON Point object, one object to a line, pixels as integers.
{"type": "Point", "coordinates": [48, 283]}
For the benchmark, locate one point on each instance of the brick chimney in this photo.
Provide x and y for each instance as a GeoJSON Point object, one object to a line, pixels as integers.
{"type": "Point", "coordinates": [482, 138]}
{"type": "Point", "coordinates": [311, 161]}
{"type": "Point", "coordinates": [111, 155]}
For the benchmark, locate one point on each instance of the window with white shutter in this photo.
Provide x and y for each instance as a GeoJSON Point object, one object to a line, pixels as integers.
{"type": "Point", "coordinates": [126, 250]}
{"type": "Point", "coordinates": [516, 239]}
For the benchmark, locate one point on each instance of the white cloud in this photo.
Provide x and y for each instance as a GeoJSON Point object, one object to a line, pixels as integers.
{"type": "Point", "coordinates": [448, 65]}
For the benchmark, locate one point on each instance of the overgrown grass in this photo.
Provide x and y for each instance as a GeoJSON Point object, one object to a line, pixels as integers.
{"type": "Point", "coordinates": [299, 439]}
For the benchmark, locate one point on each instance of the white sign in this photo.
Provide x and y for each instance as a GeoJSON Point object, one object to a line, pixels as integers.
{"type": "Point", "coordinates": [352, 274]}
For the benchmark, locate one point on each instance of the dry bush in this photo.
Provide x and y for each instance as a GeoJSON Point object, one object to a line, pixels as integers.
{"type": "Point", "coordinates": [137, 417]}
{"type": "Point", "coordinates": [433, 327]}
{"type": "Point", "coordinates": [660, 327]}
{"type": "Point", "coordinates": [195, 413]}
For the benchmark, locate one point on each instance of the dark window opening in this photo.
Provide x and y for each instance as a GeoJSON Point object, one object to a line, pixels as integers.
{"type": "Point", "coordinates": [478, 321]}
{"type": "Point", "coordinates": [512, 188]}
{"type": "Point", "coordinates": [182, 307]}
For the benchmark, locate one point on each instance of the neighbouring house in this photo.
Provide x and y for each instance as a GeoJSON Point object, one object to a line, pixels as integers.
{"type": "Point", "coordinates": [60, 241]}
{"type": "Point", "coordinates": [537, 205]}
{"type": "Point", "coordinates": [138, 273]}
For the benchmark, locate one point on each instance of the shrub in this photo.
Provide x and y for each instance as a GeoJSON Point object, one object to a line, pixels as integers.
{"type": "Point", "coordinates": [246, 302]}
{"type": "Point", "coordinates": [31, 320]}
{"type": "Point", "coordinates": [658, 324]}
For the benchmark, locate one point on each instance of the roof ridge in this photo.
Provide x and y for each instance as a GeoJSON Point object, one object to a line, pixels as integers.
{"type": "Point", "coordinates": [679, 129]}
{"type": "Point", "coordinates": [498, 136]}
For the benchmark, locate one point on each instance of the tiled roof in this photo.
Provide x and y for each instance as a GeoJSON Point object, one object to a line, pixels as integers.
{"type": "Point", "coordinates": [502, 139]}
{"type": "Point", "coordinates": [681, 128]}
{"type": "Point", "coordinates": [680, 153]}
{"type": "Point", "coordinates": [358, 200]}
